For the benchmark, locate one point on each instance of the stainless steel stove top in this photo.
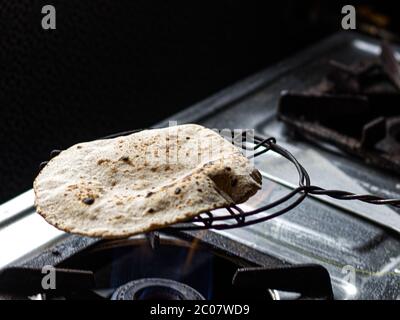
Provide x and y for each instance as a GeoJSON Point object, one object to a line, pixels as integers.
{"type": "Point", "coordinates": [357, 243]}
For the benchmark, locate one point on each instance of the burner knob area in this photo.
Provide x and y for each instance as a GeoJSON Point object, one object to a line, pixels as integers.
{"type": "Point", "coordinates": [156, 289]}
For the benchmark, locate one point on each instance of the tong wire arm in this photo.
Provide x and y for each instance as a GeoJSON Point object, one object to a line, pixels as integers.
{"type": "Point", "coordinates": [305, 188]}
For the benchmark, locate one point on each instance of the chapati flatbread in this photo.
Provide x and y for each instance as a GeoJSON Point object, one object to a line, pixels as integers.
{"type": "Point", "coordinates": [119, 187]}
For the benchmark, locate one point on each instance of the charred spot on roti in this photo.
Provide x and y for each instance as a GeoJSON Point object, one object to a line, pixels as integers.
{"type": "Point", "coordinates": [177, 190]}
{"type": "Point", "coordinates": [88, 200]}
{"type": "Point", "coordinates": [256, 175]}
{"type": "Point", "coordinates": [101, 161]}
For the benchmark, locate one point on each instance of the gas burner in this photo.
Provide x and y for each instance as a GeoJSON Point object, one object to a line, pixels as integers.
{"type": "Point", "coordinates": [156, 289]}
{"type": "Point", "coordinates": [178, 268]}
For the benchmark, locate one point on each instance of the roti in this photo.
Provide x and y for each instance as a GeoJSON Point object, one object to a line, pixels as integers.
{"type": "Point", "coordinates": [115, 188]}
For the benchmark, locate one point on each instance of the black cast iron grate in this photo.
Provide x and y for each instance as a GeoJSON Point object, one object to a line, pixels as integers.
{"type": "Point", "coordinates": [237, 217]}
{"type": "Point", "coordinates": [354, 107]}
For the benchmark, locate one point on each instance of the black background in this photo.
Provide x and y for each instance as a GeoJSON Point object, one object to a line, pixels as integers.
{"type": "Point", "coordinates": [117, 65]}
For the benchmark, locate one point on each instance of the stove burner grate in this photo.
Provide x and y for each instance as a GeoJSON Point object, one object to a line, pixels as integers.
{"type": "Point", "coordinates": [353, 107]}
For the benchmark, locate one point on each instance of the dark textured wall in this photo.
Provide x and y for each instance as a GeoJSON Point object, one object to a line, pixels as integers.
{"type": "Point", "coordinates": [117, 65]}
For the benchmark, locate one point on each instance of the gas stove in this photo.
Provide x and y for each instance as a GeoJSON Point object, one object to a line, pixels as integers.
{"type": "Point", "coordinates": [322, 249]}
